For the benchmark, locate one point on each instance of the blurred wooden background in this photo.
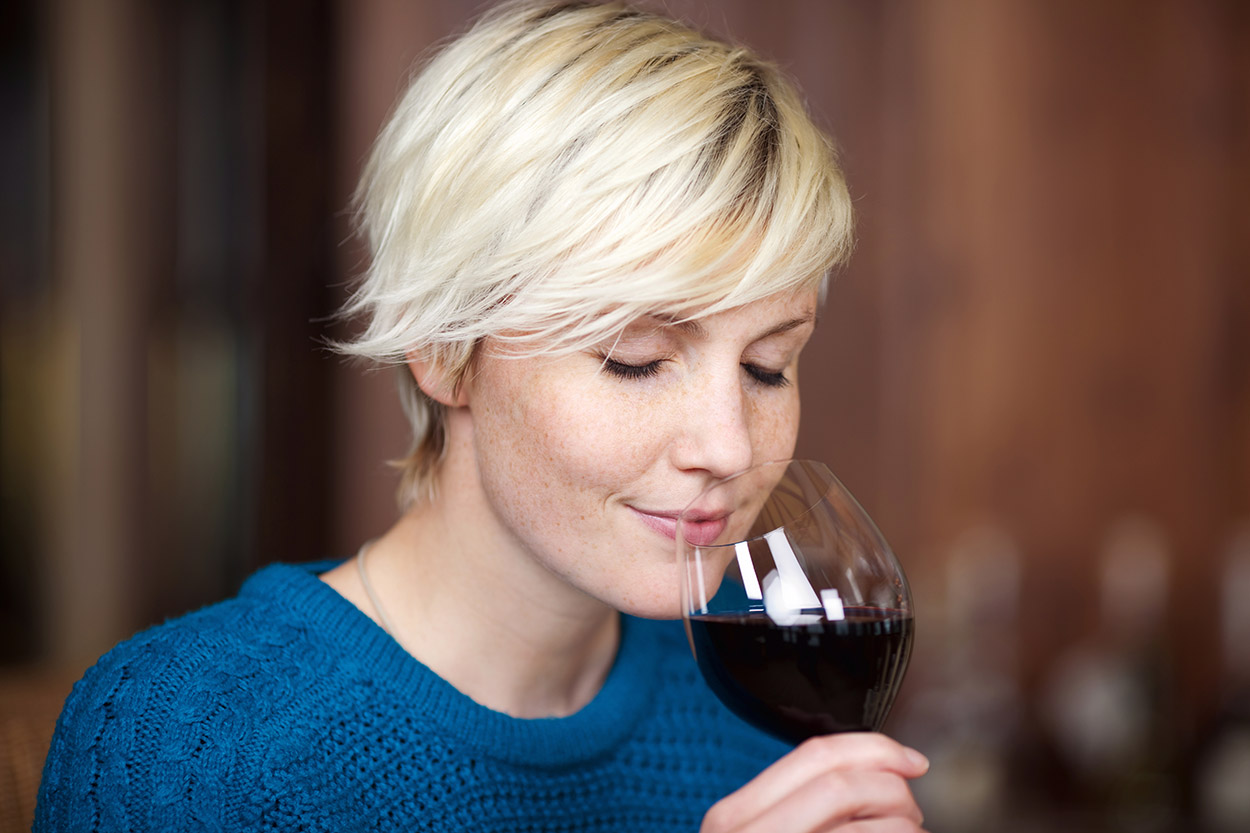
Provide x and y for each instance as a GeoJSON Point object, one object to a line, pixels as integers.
{"type": "Point", "coordinates": [1045, 329]}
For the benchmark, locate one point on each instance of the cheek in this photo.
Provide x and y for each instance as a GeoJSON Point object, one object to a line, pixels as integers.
{"type": "Point", "coordinates": [552, 445]}
{"type": "Point", "coordinates": [775, 428]}
{"type": "Point", "coordinates": [603, 450]}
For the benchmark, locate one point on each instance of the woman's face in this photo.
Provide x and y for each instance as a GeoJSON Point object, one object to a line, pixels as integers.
{"type": "Point", "coordinates": [584, 461]}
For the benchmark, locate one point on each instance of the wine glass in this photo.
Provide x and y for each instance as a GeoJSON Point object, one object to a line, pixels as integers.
{"type": "Point", "coordinates": [797, 611]}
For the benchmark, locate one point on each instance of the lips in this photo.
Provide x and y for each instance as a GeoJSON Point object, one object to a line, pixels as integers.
{"type": "Point", "coordinates": [698, 530]}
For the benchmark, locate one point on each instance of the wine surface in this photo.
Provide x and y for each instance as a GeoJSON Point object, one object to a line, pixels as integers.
{"type": "Point", "coordinates": [801, 680]}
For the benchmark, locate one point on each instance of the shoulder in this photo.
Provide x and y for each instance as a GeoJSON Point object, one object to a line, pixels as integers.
{"type": "Point", "coordinates": [257, 638]}
{"type": "Point", "coordinates": [163, 725]}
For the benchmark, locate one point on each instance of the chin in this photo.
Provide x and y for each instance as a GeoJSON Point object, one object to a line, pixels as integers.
{"type": "Point", "coordinates": [665, 605]}
{"type": "Point", "coordinates": [655, 610]}
{"type": "Point", "coordinates": [651, 592]}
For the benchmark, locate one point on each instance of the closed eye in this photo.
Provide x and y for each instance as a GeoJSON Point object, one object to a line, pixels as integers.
{"type": "Point", "coordinates": [768, 378]}
{"type": "Point", "coordinates": [621, 370]}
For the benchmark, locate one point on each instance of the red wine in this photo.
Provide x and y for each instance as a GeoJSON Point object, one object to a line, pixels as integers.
{"type": "Point", "coordinates": [802, 680]}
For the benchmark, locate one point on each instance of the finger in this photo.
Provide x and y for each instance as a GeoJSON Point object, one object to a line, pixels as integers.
{"type": "Point", "coordinates": [839, 798]}
{"type": "Point", "coordinates": [853, 750]}
{"type": "Point", "coordinates": [877, 826]}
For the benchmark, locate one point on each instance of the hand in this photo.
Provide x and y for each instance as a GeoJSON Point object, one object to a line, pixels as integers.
{"type": "Point", "coordinates": [852, 783]}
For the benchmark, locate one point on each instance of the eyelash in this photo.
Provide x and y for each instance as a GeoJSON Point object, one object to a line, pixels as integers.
{"type": "Point", "coordinates": [767, 378]}
{"type": "Point", "coordinates": [632, 371]}
{"type": "Point", "coordinates": [621, 370]}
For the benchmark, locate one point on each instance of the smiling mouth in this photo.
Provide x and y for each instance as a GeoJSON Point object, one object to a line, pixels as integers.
{"type": "Point", "coordinates": [697, 531]}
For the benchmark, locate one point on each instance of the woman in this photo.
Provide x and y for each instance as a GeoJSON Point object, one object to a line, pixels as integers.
{"type": "Point", "coordinates": [598, 244]}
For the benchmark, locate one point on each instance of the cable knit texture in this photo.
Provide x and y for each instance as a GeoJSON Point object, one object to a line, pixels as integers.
{"type": "Point", "coordinates": [287, 708]}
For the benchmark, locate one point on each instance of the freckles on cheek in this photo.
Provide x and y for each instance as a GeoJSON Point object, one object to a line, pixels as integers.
{"type": "Point", "coordinates": [554, 431]}
{"type": "Point", "coordinates": [777, 429]}
{"type": "Point", "coordinates": [596, 441]}
{"type": "Point", "coordinates": [576, 438]}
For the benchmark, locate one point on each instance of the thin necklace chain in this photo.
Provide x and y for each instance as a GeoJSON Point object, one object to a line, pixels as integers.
{"type": "Point", "coordinates": [387, 625]}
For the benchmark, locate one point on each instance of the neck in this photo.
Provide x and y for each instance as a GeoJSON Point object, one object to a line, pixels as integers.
{"type": "Point", "coordinates": [517, 641]}
{"type": "Point", "coordinates": [464, 596]}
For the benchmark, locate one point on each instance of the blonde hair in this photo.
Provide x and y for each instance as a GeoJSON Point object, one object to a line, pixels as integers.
{"type": "Point", "coordinates": [563, 168]}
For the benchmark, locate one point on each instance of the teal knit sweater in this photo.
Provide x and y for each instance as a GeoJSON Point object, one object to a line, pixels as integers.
{"type": "Point", "coordinates": [286, 708]}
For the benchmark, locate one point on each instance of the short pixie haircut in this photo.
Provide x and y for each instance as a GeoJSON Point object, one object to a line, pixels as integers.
{"type": "Point", "coordinates": [564, 168]}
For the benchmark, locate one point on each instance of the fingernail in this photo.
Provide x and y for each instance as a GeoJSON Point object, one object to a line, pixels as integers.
{"type": "Point", "coordinates": [918, 759]}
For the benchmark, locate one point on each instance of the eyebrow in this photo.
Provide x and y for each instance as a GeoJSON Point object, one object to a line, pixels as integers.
{"type": "Point", "coordinates": [696, 330]}
{"type": "Point", "coordinates": [787, 326]}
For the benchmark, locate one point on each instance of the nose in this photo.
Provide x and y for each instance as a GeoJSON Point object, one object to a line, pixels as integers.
{"type": "Point", "coordinates": [715, 434]}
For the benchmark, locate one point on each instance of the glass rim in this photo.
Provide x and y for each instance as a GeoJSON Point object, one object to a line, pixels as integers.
{"type": "Point", "coordinates": [831, 483]}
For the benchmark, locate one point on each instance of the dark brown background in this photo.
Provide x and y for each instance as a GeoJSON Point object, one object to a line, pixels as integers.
{"type": "Point", "coordinates": [1046, 326]}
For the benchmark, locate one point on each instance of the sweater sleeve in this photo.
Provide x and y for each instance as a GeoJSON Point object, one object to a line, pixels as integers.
{"type": "Point", "coordinates": [149, 739]}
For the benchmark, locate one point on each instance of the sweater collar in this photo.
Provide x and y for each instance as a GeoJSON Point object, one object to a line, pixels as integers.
{"type": "Point", "coordinates": [368, 653]}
